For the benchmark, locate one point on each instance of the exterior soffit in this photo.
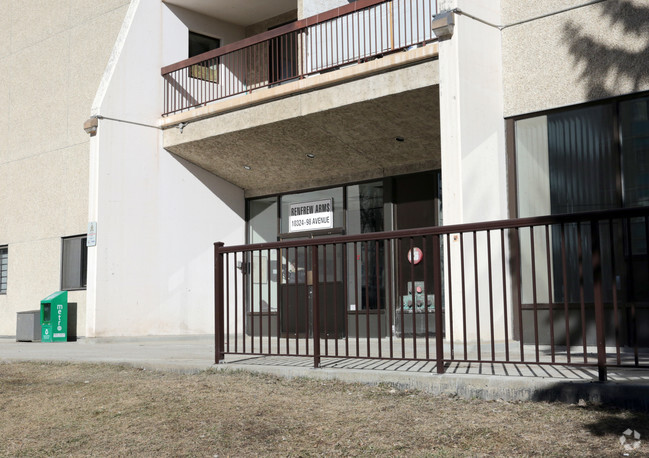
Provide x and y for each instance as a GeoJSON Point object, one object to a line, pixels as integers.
{"type": "Point", "coordinates": [240, 13]}
{"type": "Point", "coordinates": [349, 143]}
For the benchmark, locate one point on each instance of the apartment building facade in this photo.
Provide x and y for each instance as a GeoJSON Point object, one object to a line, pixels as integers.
{"type": "Point", "coordinates": [364, 114]}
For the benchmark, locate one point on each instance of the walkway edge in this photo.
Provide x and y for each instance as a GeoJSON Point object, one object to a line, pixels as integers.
{"type": "Point", "coordinates": [632, 396]}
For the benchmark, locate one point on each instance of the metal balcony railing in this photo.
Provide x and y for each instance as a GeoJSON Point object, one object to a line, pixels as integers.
{"type": "Point", "coordinates": [554, 290]}
{"type": "Point", "coordinates": [343, 36]}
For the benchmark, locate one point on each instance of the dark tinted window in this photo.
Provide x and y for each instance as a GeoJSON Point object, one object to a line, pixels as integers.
{"type": "Point", "coordinates": [198, 44]}
{"type": "Point", "coordinates": [75, 263]}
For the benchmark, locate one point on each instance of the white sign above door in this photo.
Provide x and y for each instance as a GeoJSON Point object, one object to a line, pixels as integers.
{"type": "Point", "coordinates": [311, 216]}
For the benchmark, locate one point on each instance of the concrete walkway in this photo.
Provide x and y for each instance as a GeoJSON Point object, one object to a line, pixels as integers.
{"type": "Point", "coordinates": [627, 388]}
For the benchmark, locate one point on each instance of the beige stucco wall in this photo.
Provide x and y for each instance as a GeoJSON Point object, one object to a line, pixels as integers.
{"type": "Point", "coordinates": [52, 57]}
{"type": "Point", "coordinates": [206, 25]}
{"type": "Point", "coordinates": [522, 10]}
{"type": "Point", "coordinates": [587, 53]}
{"type": "Point", "coordinates": [276, 21]}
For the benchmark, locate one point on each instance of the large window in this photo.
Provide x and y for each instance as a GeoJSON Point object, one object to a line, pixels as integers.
{"type": "Point", "coordinates": [4, 258]}
{"type": "Point", "coordinates": [74, 263]}
{"type": "Point", "coordinates": [585, 159]}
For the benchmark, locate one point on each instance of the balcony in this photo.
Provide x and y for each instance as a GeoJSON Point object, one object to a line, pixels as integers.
{"type": "Point", "coordinates": [351, 94]}
{"type": "Point", "coordinates": [345, 36]}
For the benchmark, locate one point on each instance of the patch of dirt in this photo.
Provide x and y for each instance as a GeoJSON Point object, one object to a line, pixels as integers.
{"type": "Point", "coordinates": [107, 410]}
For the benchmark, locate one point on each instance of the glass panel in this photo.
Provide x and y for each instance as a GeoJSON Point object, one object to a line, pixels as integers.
{"type": "Point", "coordinates": [365, 215]}
{"type": "Point", "coordinates": [262, 225]}
{"type": "Point", "coordinates": [365, 208]}
{"type": "Point", "coordinates": [583, 163]}
{"type": "Point", "coordinates": [74, 263]}
{"type": "Point", "coordinates": [634, 122]}
{"type": "Point", "coordinates": [566, 163]}
{"type": "Point", "coordinates": [198, 44]}
{"type": "Point", "coordinates": [634, 127]}
{"type": "Point", "coordinates": [262, 291]}
{"type": "Point", "coordinates": [532, 167]}
{"type": "Point", "coordinates": [416, 200]}
{"type": "Point", "coordinates": [583, 177]}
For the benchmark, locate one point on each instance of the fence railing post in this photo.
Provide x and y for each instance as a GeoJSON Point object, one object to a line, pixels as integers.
{"type": "Point", "coordinates": [437, 288]}
{"type": "Point", "coordinates": [219, 337]}
{"type": "Point", "coordinates": [316, 306]}
{"type": "Point", "coordinates": [599, 306]}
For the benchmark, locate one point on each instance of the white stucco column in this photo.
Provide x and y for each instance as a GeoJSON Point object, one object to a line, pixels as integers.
{"type": "Point", "coordinates": [473, 154]}
{"type": "Point", "coordinates": [152, 271]}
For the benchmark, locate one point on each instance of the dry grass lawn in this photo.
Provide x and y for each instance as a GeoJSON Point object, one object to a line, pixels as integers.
{"type": "Point", "coordinates": [106, 410]}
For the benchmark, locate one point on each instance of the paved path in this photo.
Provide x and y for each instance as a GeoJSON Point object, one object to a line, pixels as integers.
{"type": "Point", "coordinates": [627, 388]}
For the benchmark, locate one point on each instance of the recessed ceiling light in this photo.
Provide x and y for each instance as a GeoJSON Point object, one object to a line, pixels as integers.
{"type": "Point", "coordinates": [247, 167]}
{"type": "Point", "coordinates": [400, 139]}
{"type": "Point", "coordinates": [310, 156]}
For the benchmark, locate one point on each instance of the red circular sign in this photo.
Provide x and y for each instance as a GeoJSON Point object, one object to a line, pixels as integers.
{"type": "Point", "coordinates": [415, 256]}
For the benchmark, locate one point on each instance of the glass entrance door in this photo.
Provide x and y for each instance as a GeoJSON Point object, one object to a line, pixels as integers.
{"type": "Point", "coordinates": [357, 293]}
{"type": "Point", "coordinates": [312, 215]}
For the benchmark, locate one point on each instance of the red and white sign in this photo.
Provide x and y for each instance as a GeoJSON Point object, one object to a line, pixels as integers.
{"type": "Point", "coordinates": [415, 256]}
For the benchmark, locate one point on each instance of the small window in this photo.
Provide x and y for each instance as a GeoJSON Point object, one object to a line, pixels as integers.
{"type": "Point", "coordinates": [74, 263]}
{"type": "Point", "coordinates": [208, 70]}
{"type": "Point", "coordinates": [198, 44]}
{"type": "Point", "coordinates": [4, 259]}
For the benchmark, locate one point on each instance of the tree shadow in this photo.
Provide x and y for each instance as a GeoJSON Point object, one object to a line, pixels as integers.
{"type": "Point", "coordinates": [606, 66]}
{"type": "Point", "coordinates": [609, 397]}
{"type": "Point", "coordinates": [614, 422]}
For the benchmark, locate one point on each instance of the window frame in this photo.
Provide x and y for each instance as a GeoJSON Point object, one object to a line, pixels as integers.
{"type": "Point", "coordinates": [83, 261]}
{"type": "Point", "coordinates": [621, 200]}
{"type": "Point", "coordinates": [200, 35]}
{"type": "Point", "coordinates": [4, 249]}
{"type": "Point", "coordinates": [510, 127]}
{"type": "Point", "coordinates": [204, 70]}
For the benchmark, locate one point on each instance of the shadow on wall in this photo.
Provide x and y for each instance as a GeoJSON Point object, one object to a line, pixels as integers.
{"type": "Point", "coordinates": [606, 66]}
{"type": "Point", "coordinates": [228, 193]}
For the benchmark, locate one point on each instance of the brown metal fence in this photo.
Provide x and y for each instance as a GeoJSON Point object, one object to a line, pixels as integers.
{"type": "Point", "coordinates": [350, 34]}
{"type": "Point", "coordinates": [559, 290]}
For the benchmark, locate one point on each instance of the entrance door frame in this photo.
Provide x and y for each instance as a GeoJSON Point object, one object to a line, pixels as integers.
{"type": "Point", "coordinates": [390, 221]}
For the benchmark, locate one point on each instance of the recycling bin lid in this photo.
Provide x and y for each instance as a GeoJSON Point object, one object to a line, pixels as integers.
{"type": "Point", "coordinates": [55, 295]}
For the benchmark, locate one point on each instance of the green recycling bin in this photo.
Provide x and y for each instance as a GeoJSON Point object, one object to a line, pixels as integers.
{"type": "Point", "coordinates": [54, 317]}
